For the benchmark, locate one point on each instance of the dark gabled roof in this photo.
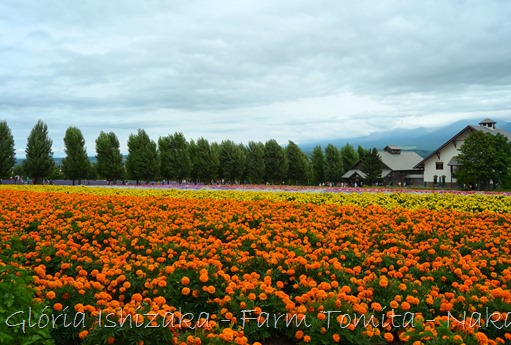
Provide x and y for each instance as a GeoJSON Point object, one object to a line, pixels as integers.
{"type": "Point", "coordinates": [472, 129]}
{"type": "Point", "coordinates": [359, 173]}
{"type": "Point", "coordinates": [487, 121]}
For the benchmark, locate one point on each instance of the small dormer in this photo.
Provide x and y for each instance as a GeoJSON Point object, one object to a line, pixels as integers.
{"type": "Point", "coordinates": [392, 149]}
{"type": "Point", "coordinates": [488, 123]}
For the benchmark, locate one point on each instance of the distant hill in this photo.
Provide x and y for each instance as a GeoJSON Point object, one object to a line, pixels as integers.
{"type": "Point", "coordinates": [419, 140]}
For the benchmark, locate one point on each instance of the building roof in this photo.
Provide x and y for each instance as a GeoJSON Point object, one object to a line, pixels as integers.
{"type": "Point", "coordinates": [354, 173]}
{"type": "Point", "coordinates": [405, 160]}
{"type": "Point", "coordinates": [471, 128]}
{"type": "Point", "coordinates": [392, 161]}
{"type": "Point", "coordinates": [392, 148]}
{"type": "Point", "coordinates": [487, 121]}
{"type": "Point", "coordinates": [358, 173]}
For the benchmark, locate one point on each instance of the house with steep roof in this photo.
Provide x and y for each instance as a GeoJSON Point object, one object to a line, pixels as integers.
{"type": "Point", "coordinates": [440, 166]}
{"type": "Point", "coordinates": [398, 167]}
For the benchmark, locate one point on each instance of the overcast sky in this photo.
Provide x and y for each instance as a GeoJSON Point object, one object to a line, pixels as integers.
{"type": "Point", "coordinates": [250, 70]}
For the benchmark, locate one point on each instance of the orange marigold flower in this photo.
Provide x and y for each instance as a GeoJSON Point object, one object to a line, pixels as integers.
{"type": "Point", "coordinates": [389, 337]}
{"type": "Point", "coordinates": [137, 297]}
{"type": "Point", "coordinates": [83, 334]}
{"type": "Point", "coordinates": [384, 282]}
{"type": "Point", "coordinates": [482, 339]}
{"type": "Point", "coordinates": [405, 305]}
{"type": "Point", "coordinates": [376, 306]}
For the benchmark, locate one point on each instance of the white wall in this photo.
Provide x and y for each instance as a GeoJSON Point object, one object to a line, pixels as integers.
{"type": "Point", "coordinates": [446, 155]}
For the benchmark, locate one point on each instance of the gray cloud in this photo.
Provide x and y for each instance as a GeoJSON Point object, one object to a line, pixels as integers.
{"type": "Point", "coordinates": [248, 70]}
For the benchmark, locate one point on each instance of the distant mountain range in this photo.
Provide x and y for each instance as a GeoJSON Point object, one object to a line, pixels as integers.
{"type": "Point", "coordinates": [420, 140]}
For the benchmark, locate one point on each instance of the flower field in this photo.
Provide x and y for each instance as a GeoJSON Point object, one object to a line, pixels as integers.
{"type": "Point", "coordinates": [166, 266]}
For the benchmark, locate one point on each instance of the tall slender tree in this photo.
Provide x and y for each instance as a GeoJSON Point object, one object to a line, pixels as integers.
{"type": "Point", "coordinates": [349, 156]}
{"type": "Point", "coordinates": [297, 164]}
{"type": "Point", "coordinates": [372, 167]}
{"type": "Point", "coordinates": [39, 156]}
{"type": "Point", "coordinates": [255, 162]}
{"type": "Point", "coordinates": [109, 158]}
{"type": "Point", "coordinates": [204, 165]}
{"type": "Point", "coordinates": [7, 151]}
{"type": "Point", "coordinates": [361, 151]}
{"type": "Point", "coordinates": [175, 161]}
{"type": "Point", "coordinates": [192, 147]}
{"type": "Point", "coordinates": [333, 164]}
{"type": "Point", "coordinates": [76, 164]}
{"type": "Point", "coordinates": [318, 165]}
{"type": "Point", "coordinates": [215, 160]}
{"type": "Point", "coordinates": [275, 162]}
{"type": "Point", "coordinates": [142, 162]}
{"type": "Point", "coordinates": [232, 161]}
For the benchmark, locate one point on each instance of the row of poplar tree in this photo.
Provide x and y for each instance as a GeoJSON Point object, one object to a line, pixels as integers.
{"type": "Point", "coordinates": [173, 158]}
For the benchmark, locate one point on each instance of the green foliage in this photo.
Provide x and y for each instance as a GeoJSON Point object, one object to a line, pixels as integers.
{"type": "Point", "coordinates": [204, 160]}
{"type": "Point", "coordinates": [349, 156]}
{"type": "Point", "coordinates": [333, 164]}
{"type": "Point", "coordinates": [318, 165]}
{"type": "Point", "coordinates": [39, 156]}
{"type": "Point", "coordinates": [76, 164]}
{"type": "Point", "coordinates": [109, 159]}
{"type": "Point", "coordinates": [372, 167]}
{"type": "Point", "coordinates": [7, 151]}
{"type": "Point", "coordinates": [18, 170]}
{"type": "Point", "coordinates": [502, 162]}
{"type": "Point", "coordinates": [142, 161]}
{"type": "Point", "coordinates": [93, 172]}
{"type": "Point", "coordinates": [16, 302]}
{"type": "Point", "coordinates": [192, 148]}
{"type": "Point", "coordinates": [484, 158]}
{"type": "Point", "coordinates": [361, 151]}
{"type": "Point", "coordinates": [232, 161]}
{"type": "Point", "coordinates": [175, 161]}
{"type": "Point", "coordinates": [298, 164]}
{"type": "Point", "coordinates": [275, 162]}
{"type": "Point", "coordinates": [255, 162]}
{"type": "Point", "coordinates": [215, 156]}
{"type": "Point", "coordinates": [56, 173]}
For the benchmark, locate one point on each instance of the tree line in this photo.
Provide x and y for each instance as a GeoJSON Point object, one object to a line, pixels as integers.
{"type": "Point", "coordinates": [174, 158]}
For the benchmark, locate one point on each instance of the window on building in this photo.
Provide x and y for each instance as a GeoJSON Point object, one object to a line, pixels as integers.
{"type": "Point", "coordinates": [439, 165]}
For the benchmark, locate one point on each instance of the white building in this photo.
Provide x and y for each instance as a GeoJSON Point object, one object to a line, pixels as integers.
{"type": "Point", "coordinates": [440, 166]}
{"type": "Point", "coordinates": [397, 168]}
